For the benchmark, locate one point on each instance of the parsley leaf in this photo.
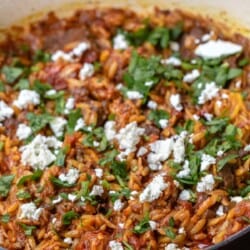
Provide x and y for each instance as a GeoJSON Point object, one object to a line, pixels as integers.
{"type": "Point", "coordinates": [22, 195]}
{"type": "Point", "coordinates": [142, 226]}
{"type": "Point", "coordinates": [11, 73]}
{"type": "Point", "coordinates": [5, 184]}
{"type": "Point", "coordinates": [245, 191]}
{"type": "Point", "coordinates": [32, 177]}
{"type": "Point", "coordinates": [108, 157]}
{"type": "Point", "coordinates": [159, 37]}
{"type": "Point", "coordinates": [221, 163]}
{"type": "Point", "coordinates": [28, 230]}
{"type": "Point", "coordinates": [5, 218]}
{"type": "Point", "coordinates": [60, 157]}
{"type": "Point", "coordinates": [41, 56]}
{"type": "Point", "coordinates": [119, 169]}
{"type": "Point", "coordinates": [38, 122]}
{"type": "Point", "coordinates": [216, 125]}
{"type": "Point", "coordinates": [170, 233]}
{"type": "Point", "coordinates": [2, 87]}
{"type": "Point", "coordinates": [41, 87]}
{"type": "Point", "coordinates": [157, 115]}
{"type": "Point", "coordinates": [22, 84]}
{"type": "Point", "coordinates": [68, 217]}
{"type": "Point", "coordinates": [74, 115]}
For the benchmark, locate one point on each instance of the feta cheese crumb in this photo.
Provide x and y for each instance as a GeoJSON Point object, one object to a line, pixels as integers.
{"type": "Point", "coordinates": [57, 126]}
{"type": "Point", "coordinates": [86, 71]}
{"type": "Point", "coordinates": [236, 199]}
{"type": "Point", "coordinates": [196, 117]}
{"type": "Point", "coordinates": [142, 151]}
{"type": "Point", "coordinates": [37, 153]}
{"type": "Point", "coordinates": [181, 230]}
{"type": "Point", "coordinates": [208, 93]}
{"type": "Point", "coordinates": [208, 116]}
{"type": "Point", "coordinates": [220, 153]}
{"type": "Point", "coordinates": [69, 105]}
{"type": "Point", "coordinates": [185, 195]}
{"type": "Point", "coordinates": [121, 225]}
{"type": "Point", "coordinates": [96, 190]}
{"type": "Point", "coordinates": [179, 149]}
{"type": "Point", "coordinates": [171, 61]}
{"type": "Point", "coordinates": [206, 161]}
{"type": "Point", "coordinates": [149, 83]}
{"type": "Point", "coordinates": [57, 200]}
{"type": "Point", "coordinates": [191, 76]}
{"type": "Point", "coordinates": [129, 136]}
{"type": "Point", "coordinates": [30, 211]}
{"type": "Point", "coordinates": [72, 197]}
{"type": "Point", "coordinates": [80, 49]}
{"type": "Point", "coordinates": [109, 130]}
{"type": "Point", "coordinates": [59, 54]}
{"type": "Point", "coordinates": [174, 46]}
{"type": "Point", "coordinates": [220, 211]}
{"type": "Point", "coordinates": [247, 148]}
{"type": "Point", "coordinates": [219, 103]}
{"type": "Point", "coordinates": [23, 131]}
{"type": "Point", "coordinates": [80, 123]}
{"type": "Point", "coordinates": [163, 123]}
{"type": "Point", "coordinates": [115, 245]}
{"type": "Point", "coordinates": [68, 240]}
{"type": "Point", "coordinates": [98, 172]}
{"type": "Point", "coordinates": [152, 225]}
{"type": "Point", "coordinates": [70, 177]}
{"type": "Point", "coordinates": [120, 42]}
{"type": "Point", "coordinates": [27, 97]}
{"type": "Point", "coordinates": [185, 171]}
{"type": "Point", "coordinates": [134, 95]}
{"type": "Point", "coordinates": [161, 150]}
{"type": "Point", "coordinates": [206, 184]}
{"type": "Point", "coordinates": [5, 111]}
{"type": "Point", "coordinates": [152, 105]}
{"type": "Point", "coordinates": [172, 246]}
{"type": "Point", "coordinates": [118, 205]}
{"type": "Point", "coordinates": [175, 101]}
{"type": "Point", "coordinates": [224, 96]}
{"type": "Point", "coordinates": [50, 92]}
{"type": "Point", "coordinates": [154, 189]}
{"type": "Point", "coordinates": [215, 49]}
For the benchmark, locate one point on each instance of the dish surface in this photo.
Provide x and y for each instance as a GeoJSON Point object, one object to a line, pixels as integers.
{"type": "Point", "coordinates": [123, 131]}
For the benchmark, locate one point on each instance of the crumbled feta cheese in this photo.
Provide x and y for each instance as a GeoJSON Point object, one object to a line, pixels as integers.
{"type": "Point", "coordinates": [247, 148]}
{"type": "Point", "coordinates": [149, 83]}
{"type": "Point", "coordinates": [80, 49]}
{"type": "Point", "coordinates": [185, 195]}
{"type": "Point", "coordinates": [86, 71]}
{"type": "Point", "coordinates": [174, 46]}
{"type": "Point", "coordinates": [161, 150]}
{"type": "Point", "coordinates": [191, 76]}
{"type": "Point", "coordinates": [175, 101]}
{"type": "Point", "coordinates": [206, 184]}
{"type": "Point", "coordinates": [71, 176]}
{"type": "Point", "coordinates": [206, 161]}
{"type": "Point", "coordinates": [23, 131]}
{"type": "Point", "coordinates": [119, 86]}
{"type": "Point", "coordinates": [109, 130]}
{"type": "Point", "coordinates": [215, 49]}
{"type": "Point", "coordinates": [121, 225]}
{"type": "Point", "coordinates": [50, 92]}
{"type": "Point", "coordinates": [236, 199]}
{"type": "Point", "coordinates": [163, 123]}
{"type": "Point", "coordinates": [152, 225]}
{"type": "Point", "coordinates": [220, 153]}
{"type": "Point", "coordinates": [152, 105]}
{"type": "Point", "coordinates": [54, 220]}
{"type": "Point", "coordinates": [5, 111]}
{"type": "Point", "coordinates": [208, 93]}
{"type": "Point", "coordinates": [219, 103]}
{"type": "Point", "coordinates": [120, 42]}
{"type": "Point", "coordinates": [115, 245]}
{"type": "Point", "coordinates": [134, 95]}
{"type": "Point", "coordinates": [238, 84]}
{"type": "Point", "coordinates": [172, 246]}
{"type": "Point", "coordinates": [208, 116]}
{"type": "Point", "coordinates": [171, 61]}
{"type": "Point", "coordinates": [129, 136]}
{"type": "Point", "coordinates": [181, 230]}
{"type": "Point", "coordinates": [68, 240]}
{"type": "Point", "coordinates": [185, 170]}
{"type": "Point", "coordinates": [57, 200]}
{"type": "Point", "coordinates": [196, 117]}
{"type": "Point", "coordinates": [142, 151]}
{"type": "Point", "coordinates": [69, 105]}
{"type": "Point", "coordinates": [37, 153]}
{"type": "Point", "coordinates": [154, 189]}
{"type": "Point", "coordinates": [206, 37]}
{"type": "Point", "coordinates": [98, 172]}
{"type": "Point", "coordinates": [220, 211]}
{"type": "Point", "coordinates": [27, 97]}
{"type": "Point", "coordinates": [80, 124]}
{"type": "Point", "coordinates": [96, 144]}
{"type": "Point", "coordinates": [57, 126]}
{"type": "Point", "coordinates": [97, 190]}
{"type": "Point", "coordinates": [59, 54]}
{"type": "Point", "coordinates": [224, 96]}
{"type": "Point", "coordinates": [30, 211]}
{"type": "Point", "coordinates": [179, 149]}
{"type": "Point", "coordinates": [72, 197]}
{"type": "Point", "coordinates": [118, 205]}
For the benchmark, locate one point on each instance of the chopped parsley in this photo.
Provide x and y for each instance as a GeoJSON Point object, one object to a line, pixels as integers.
{"type": "Point", "coordinates": [74, 115]}
{"type": "Point", "coordinates": [32, 177]}
{"type": "Point", "coordinates": [38, 121]}
{"type": "Point", "coordinates": [68, 217]}
{"type": "Point", "coordinates": [22, 195]}
{"type": "Point", "coordinates": [28, 230]}
{"type": "Point", "coordinates": [5, 184]}
{"type": "Point", "coordinates": [11, 73]}
{"type": "Point", "coordinates": [143, 226]}
{"type": "Point", "coordinates": [5, 218]}
{"type": "Point", "coordinates": [59, 183]}
{"type": "Point", "coordinates": [157, 115]}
